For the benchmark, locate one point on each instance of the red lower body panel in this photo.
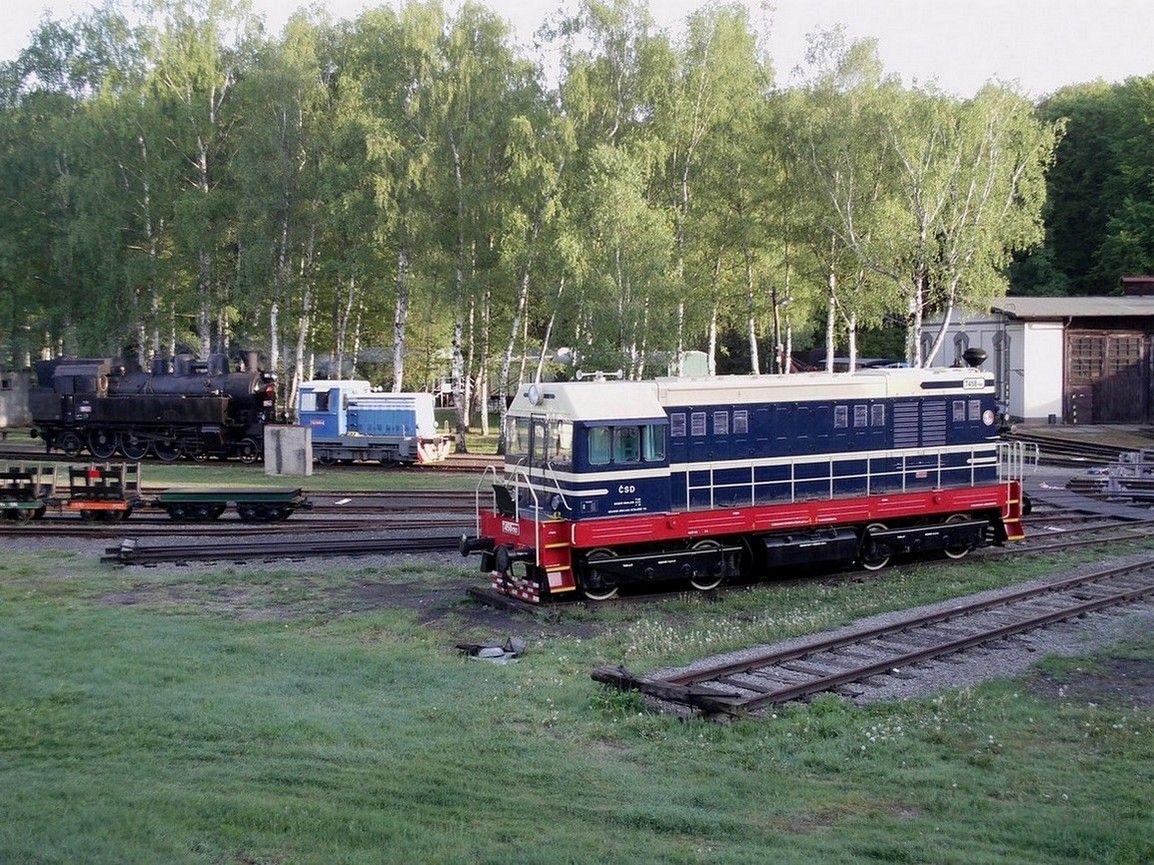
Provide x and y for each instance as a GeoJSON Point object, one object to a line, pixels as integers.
{"type": "Point", "coordinates": [554, 540]}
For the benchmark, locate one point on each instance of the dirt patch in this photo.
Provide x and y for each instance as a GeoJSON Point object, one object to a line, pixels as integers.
{"type": "Point", "coordinates": [1113, 681]}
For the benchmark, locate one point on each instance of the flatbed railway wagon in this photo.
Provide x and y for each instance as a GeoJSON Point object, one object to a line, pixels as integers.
{"type": "Point", "coordinates": [252, 505]}
{"type": "Point", "coordinates": [110, 492]}
{"type": "Point", "coordinates": [26, 491]}
{"type": "Point", "coordinates": [699, 481]}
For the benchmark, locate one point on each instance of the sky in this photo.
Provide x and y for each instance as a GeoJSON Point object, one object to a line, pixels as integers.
{"type": "Point", "coordinates": [1038, 45]}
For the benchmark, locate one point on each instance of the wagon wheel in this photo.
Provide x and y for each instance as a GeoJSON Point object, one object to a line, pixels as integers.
{"type": "Point", "coordinates": [88, 515]}
{"type": "Point", "coordinates": [114, 516]}
{"type": "Point", "coordinates": [247, 451]}
{"type": "Point", "coordinates": [70, 443]}
{"type": "Point", "coordinates": [103, 443]}
{"type": "Point", "coordinates": [247, 513]}
{"type": "Point", "coordinates": [133, 447]}
{"type": "Point", "coordinates": [25, 515]}
{"type": "Point", "coordinates": [167, 452]}
{"type": "Point", "coordinates": [177, 512]}
{"type": "Point", "coordinates": [959, 550]}
{"type": "Point", "coordinates": [711, 579]}
{"type": "Point", "coordinates": [871, 555]}
{"type": "Point", "coordinates": [596, 585]}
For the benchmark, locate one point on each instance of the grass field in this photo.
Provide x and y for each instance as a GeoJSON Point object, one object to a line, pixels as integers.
{"type": "Point", "coordinates": [319, 715]}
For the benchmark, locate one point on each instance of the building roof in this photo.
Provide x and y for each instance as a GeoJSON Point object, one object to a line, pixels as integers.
{"type": "Point", "coordinates": [1041, 308]}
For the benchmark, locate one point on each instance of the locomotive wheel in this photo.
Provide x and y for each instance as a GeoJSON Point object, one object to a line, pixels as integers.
{"type": "Point", "coordinates": [247, 451]}
{"type": "Point", "coordinates": [870, 556]}
{"type": "Point", "coordinates": [710, 580]}
{"type": "Point", "coordinates": [103, 443]}
{"type": "Point", "coordinates": [959, 551]}
{"type": "Point", "coordinates": [606, 587]}
{"type": "Point", "coordinates": [165, 452]}
{"type": "Point", "coordinates": [133, 448]}
{"type": "Point", "coordinates": [326, 459]}
{"type": "Point", "coordinates": [70, 443]}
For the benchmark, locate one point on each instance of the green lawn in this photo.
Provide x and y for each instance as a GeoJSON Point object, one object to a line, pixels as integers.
{"type": "Point", "coordinates": [225, 715]}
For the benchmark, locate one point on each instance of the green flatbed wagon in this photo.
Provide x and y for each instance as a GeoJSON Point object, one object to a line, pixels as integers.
{"type": "Point", "coordinates": [252, 505]}
{"type": "Point", "coordinates": [25, 493]}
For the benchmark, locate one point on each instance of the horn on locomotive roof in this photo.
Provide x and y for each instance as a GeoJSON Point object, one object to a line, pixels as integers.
{"type": "Point", "coordinates": [599, 375]}
{"type": "Point", "coordinates": [974, 357]}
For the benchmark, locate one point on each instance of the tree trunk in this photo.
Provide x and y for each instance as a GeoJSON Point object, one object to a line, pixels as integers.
{"type": "Point", "coordinates": [751, 312]}
{"type": "Point", "coordinates": [401, 314]}
{"type": "Point", "coordinates": [830, 321]}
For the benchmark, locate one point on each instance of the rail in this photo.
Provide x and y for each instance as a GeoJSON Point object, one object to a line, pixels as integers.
{"type": "Point", "coordinates": [927, 469]}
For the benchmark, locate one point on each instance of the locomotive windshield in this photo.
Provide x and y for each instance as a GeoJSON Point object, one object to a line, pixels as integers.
{"type": "Point", "coordinates": [626, 445]}
{"type": "Point", "coordinates": [551, 440]}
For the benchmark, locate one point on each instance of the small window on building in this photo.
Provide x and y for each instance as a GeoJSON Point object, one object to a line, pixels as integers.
{"type": "Point", "coordinates": [740, 422]}
{"type": "Point", "coordinates": [721, 423]}
{"type": "Point", "coordinates": [600, 445]}
{"type": "Point", "coordinates": [959, 411]}
{"type": "Point", "coordinates": [677, 425]}
{"type": "Point", "coordinates": [961, 343]}
{"type": "Point", "coordinates": [627, 444]}
{"type": "Point", "coordinates": [653, 443]}
{"type": "Point", "coordinates": [840, 416]}
{"type": "Point", "coordinates": [878, 415]}
{"type": "Point", "coordinates": [697, 423]}
{"type": "Point", "coordinates": [861, 416]}
{"type": "Point", "coordinates": [975, 409]}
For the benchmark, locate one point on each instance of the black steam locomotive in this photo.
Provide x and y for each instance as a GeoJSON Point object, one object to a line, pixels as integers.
{"type": "Point", "coordinates": [181, 408]}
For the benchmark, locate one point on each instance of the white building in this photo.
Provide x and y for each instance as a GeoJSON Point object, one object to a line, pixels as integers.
{"type": "Point", "coordinates": [1078, 359]}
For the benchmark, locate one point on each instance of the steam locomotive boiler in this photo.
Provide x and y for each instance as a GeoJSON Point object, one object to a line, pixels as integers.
{"type": "Point", "coordinates": [181, 407]}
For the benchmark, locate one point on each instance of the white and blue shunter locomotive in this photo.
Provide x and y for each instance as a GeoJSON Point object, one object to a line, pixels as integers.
{"type": "Point", "coordinates": [352, 421]}
{"type": "Point", "coordinates": [703, 480]}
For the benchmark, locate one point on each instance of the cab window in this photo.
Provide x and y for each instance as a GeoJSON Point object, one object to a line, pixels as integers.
{"type": "Point", "coordinates": [653, 443]}
{"type": "Point", "coordinates": [561, 441]}
{"type": "Point", "coordinates": [600, 444]}
{"type": "Point", "coordinates": [517, 437]}
{"type": "Point", "coordinates": [627, 444]}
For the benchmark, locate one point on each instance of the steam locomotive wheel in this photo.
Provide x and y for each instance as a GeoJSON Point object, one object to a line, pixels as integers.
{"type": "Point", "coordinates": [70, 443]}
{"type": "Point", "coordinates": [247, 451]}
{"type": "Point", "coordinates": [871, 556]}
{"type": "Point", "coordinates": [133, 448]}
{"type": "Point", "coordinates": [960, 550]}
{"type": "Point", "coordinates": [166, 452]}
{"type": "Point", "coordinates": [598, 585]}
{"type": "Point", "coordinates": [711, 579]}
{"type": "Point", "coordinates": [102, 443]}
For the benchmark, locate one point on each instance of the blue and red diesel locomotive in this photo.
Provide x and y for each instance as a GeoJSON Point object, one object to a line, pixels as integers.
{"type": "Point", "coordinates": [702, 480]}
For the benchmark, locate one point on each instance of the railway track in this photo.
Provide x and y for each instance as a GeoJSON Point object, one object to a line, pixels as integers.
{"type": "Point", "coordinates": [129, 552]}
{"type": "Point", "coordinates": [774, 676]}
{"type": "Point", "coordinates": [158, 527]}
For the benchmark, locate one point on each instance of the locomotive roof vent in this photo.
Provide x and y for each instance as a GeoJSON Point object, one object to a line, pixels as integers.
{"type": "Point", "coordinates": [974, 357]}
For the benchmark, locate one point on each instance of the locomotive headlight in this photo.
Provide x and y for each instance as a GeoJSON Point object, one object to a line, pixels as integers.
{"type": "Point", "coordinates": [988, 417]}
{"type": "Point", "coordinates": [534, 395]}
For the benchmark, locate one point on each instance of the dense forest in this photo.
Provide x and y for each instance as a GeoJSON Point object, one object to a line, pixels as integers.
{"type": "Point", "coordinates": [409, 195]}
